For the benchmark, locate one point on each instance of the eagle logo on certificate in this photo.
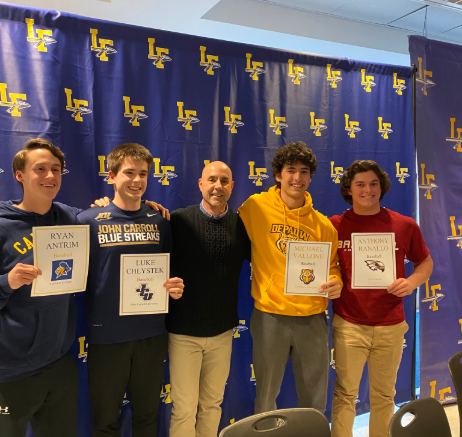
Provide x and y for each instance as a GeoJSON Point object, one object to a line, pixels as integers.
{"type": "Point", "coordinates": [307, 276]}
{"type": "Point", "coordinates": [375, 265]}
{"type": "Point", "coordinates": [62, 268]}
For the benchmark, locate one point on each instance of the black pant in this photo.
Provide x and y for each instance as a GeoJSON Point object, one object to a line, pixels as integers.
{"type": "Point", "coordinates": [48, 400]}
{"type": "Point", "coordinates": [134, 365]}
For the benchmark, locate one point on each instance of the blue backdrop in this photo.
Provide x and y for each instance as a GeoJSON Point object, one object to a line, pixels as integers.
{"type": "Point", "coordinates": [439, 147]}
{"type": "Point", "coordinates": [89, 85]}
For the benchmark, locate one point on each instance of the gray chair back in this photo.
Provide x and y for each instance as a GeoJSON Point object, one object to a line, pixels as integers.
{"type": "Point", "coordinates": [455, 369]}
{"type": "Point", "coordinates": [292, 422]}
{"type": "Point", "coordinates": [430, 420]}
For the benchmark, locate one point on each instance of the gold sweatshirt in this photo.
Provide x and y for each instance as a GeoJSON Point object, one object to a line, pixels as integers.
{"type": "Point", "coordinates": [270, 224]}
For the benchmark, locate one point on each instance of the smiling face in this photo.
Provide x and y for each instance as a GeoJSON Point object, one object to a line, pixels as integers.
{"type": "Point", "coordinates": [365, 193]}
{"type": "Point", "coordinates": [130, 183]}
{"type": "Point", "coordinates": [295, 180]}
{"type": "Point", "coordinates": [216, 185]}
{"type": "Point", "coordinates": [41, 179]}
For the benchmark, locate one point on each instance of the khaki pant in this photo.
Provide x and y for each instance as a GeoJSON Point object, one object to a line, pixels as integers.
{"type": "Point", "coordinates": [199, 368]}
{"type": "Point", "coordinates": [382, 348]}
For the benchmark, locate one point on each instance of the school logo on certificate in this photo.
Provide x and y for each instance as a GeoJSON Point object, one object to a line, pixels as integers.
{"type": "Point", "coordinates": [375, 265]}
{"type": "Point", "coordinates": [62, 269]}
{"type": "Point", "coordinates": [144, 292]}
{"type": "Point", "coordinates": [307, 276]}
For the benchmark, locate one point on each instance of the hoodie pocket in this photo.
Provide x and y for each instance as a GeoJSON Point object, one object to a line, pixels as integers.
{"type": "Point", "coordinates": [51, 332]}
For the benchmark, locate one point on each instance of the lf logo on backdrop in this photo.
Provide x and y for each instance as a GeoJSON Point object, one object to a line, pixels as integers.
{"type": "Point", "coordinates": [257, 175]}
{"type": "Point", "coordinates": [317, 124]}
{"type": "Point", "coordinates": [252, 375]}
{"type": "Point", "coordinates": [352, 127]}
{"type": "Point", "coordinates": [239, 329]}
{"type": "Point", "coordinates": [135, 114]}
{"type": "Point", "coordinates": [159, 56]}
{"type": "Point", "coordinates": [102, 169]}
{"type": "Point", "coordinates": [186, 116]}
{"type": "Point", "coordinates": [336, 173]}
{"type": "Point", "coordinates": [458, 139]}
{"type": "Point", "coordinates": [432, 296]}
{"type": "Point", "coordinates": [398, 84]}
{"type": "Point", "coordinates": [277, 123]}
{"type": "Point", "coordinates": [104, 48]}
{"type": "Point", "coordinates": [165, 394]}
{"type": "Point", "coordinates": [367, 81]}
{"type": "Point", "coordinates": [42, 39]}
{"type": "Point", "coordinates": [233, 121]}
{"type": "Point", "coordinates": [16, 102]}
{"type": "Point", "coordinates": [210, 62]}
{"type": "Point", "coordinates": [384, 128]}
{"type": "Point", "coordinates": [427, 183]}
{"type": "Point", "coordinates": [253, 67]}
{"type": "Point", "coordinates": [79, 108]}
{"type": "Point", "coordinates": [332, 359]}
{"type": "Point", "coordinates": [460, 323]}
{"type": "Point", "coordinates": [164, 173]}
{"type": "Point", "coordinates": [333, 76]}
{"type": "Point", "coordinates": [443, 399]}
{"type": "Point", "coordinates": [83, 349]}
{"type": "Point", "coordinates": [296, 73]}
{"type": "Point", "coordinates": [401, 173]}
{"type": "Point", "coordinates": [454, 235]}
{"type": "Point", "coordinates": [423, 78]}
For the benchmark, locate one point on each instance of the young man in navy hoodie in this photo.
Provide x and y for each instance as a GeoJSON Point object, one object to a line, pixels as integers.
{"type": "Point", "coordinates": [124, 352]}
{"type": "Point", "coordinates": [38, 375]}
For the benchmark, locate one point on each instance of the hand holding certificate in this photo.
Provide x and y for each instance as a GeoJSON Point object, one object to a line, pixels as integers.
{"type": "Point", "coordinates": [142, 279]}
{"type": "Point", "coordinates": [307, 267]}
{"type": "Point", "coordinates": [61, 253]}
{"type": "Point", "coordinates": [373, 260]}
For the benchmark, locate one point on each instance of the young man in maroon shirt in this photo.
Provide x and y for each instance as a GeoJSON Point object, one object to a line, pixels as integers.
{"type": "Point", "coordinates": [369, 324]}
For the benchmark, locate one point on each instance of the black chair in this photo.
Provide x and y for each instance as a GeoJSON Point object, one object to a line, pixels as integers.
{"type": "Point", "coordinates": [455, 369]}
{"type": "Point", "coordinates": [295, 422]}
{"type": "Point", "coordinates": [430, 420]}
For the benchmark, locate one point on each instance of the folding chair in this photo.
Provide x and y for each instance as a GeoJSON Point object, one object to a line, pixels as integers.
{"type": "Point", "coordinates": [430, 420]}
{"type": "Point", "coordinates": [295, 422]}
{"type": "Point", "coordinates": [455, 369]}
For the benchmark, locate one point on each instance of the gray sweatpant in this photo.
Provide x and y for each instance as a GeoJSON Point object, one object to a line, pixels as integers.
{"type": "Point", "coordinates": [305, 340]}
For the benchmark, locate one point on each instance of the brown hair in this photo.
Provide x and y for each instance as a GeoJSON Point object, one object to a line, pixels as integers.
{"type": "Point", "coordinates": [128, 150]}
{"type": "Point", "coordinates": [20, 159]}
{"type": "Point", "coordinates": [293, 153]}
{"type": "Point", "coordinates": [363, 166]}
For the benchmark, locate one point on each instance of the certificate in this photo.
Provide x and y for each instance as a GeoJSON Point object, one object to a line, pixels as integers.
{"type": "Point", "coordinates": [373, 260]}
{"type": "Point", "coordinates": [307, 267]}
{"type": "Point", "coordinates": [61, 253]}
{"type": "Point", "coordinates": [142, 279]}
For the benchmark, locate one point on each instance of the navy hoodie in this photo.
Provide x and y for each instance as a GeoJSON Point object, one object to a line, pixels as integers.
{"type": "Point", "coordinates": [35, 332]}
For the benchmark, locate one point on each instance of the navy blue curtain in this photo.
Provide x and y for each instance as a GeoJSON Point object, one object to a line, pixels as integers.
{"type": "Point", "coordinates": [439, 147]}
{"type": "Point", "coordinates": [89, 85]}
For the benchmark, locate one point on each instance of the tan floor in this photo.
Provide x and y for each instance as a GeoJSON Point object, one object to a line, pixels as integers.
{"type": "Point", "coordinates": [362, 422]}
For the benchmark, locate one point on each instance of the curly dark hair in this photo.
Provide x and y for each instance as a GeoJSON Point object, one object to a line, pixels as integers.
{"type": "Point", "coordinates": [362, 166]}
{"type": "Point", "coordinates": [293, 153]}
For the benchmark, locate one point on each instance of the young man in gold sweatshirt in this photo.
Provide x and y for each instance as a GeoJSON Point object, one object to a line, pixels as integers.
{"type": "Point", "coordinates": [286, 325]}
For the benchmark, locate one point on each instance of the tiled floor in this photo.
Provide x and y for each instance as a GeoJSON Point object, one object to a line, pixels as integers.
{"type": "Point", "coordinates": [361, 426]}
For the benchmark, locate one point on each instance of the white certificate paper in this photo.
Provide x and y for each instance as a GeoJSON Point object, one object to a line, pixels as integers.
{"type": "Point", "coordinates": [61, 252]}
{"type": "Point", "coordinates": [373, 260]}
{"type": "Point", "coordinates": [142, 279]}
{"type": "Point", "coordinates": [307, 267]}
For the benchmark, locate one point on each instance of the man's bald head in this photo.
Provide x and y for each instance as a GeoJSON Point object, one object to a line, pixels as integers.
{"type": "Point", "coordinates": [216, 185]}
